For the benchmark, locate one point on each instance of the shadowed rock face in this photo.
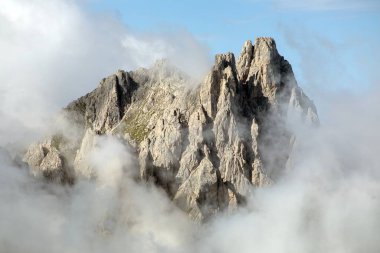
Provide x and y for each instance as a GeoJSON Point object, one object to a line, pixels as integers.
{"type": "Point", "coordinates": [206, 147]}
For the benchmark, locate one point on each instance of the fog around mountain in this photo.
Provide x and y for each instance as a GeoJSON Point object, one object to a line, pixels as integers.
{"type": "Point", "coordinates": [326, 200]}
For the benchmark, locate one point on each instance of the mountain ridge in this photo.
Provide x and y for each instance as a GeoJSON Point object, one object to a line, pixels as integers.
{"type": "Point", "coordinates": [206, 147]}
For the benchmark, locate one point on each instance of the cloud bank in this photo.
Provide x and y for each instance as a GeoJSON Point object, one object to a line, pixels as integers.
{"type": "Point", "coordinates": [328, 202]}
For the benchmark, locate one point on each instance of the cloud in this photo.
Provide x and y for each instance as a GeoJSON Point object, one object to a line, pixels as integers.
{"type": "Point", "coordinates": [55, 51]}
{"type": "Point", "coordinates": [109, 213]}
{"type": "Point", "coordinates": [327, 5]}
{"type": "Point", "coordinates": [328, 68]}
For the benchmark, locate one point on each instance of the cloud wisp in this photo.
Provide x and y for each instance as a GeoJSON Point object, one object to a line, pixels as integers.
{"type": "Point", "coordinates": [55, 51]}
{"type": "Point", "coordinates": [327, 5]}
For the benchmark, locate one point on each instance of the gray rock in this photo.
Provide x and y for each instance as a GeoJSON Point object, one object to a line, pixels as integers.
{"type": "Point", "coordinates": [198, 194]}
{"type": "Point", "coordinates": [46, 160]}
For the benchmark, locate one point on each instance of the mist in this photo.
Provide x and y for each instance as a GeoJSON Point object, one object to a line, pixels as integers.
{"type": "Point", "coordinates": [53, 52]}
{"type": "Point", "coordinates": [327, 201]}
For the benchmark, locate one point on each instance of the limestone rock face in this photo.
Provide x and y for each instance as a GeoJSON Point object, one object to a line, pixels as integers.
{"type": "Point", "coordinates": [104, 107]}
{"type": "Point", "coordinates": [45, 159]}
{"type": "Point", "coordinates": [207, 147]}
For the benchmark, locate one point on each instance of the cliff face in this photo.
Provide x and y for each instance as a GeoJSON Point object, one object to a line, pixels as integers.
{"type": "Point", "coordinates": [207, 146]}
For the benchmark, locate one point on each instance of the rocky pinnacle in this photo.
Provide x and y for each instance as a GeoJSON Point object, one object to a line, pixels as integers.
{"type": "Point", "coordinates": [207, 147]}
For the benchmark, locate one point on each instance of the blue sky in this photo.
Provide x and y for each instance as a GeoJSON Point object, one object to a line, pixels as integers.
{"type": "Point", "coordinates": [333, 45]}
{"type": "Point", "coordinates": [223, 25]}
{"type": "Point", "coordinates": [336, 39]}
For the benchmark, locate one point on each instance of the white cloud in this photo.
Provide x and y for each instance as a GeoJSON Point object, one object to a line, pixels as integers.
{"type": "Point", "coordinates": [323, 5]}
{"type": "Point", "coordinates": [111, 213]}
{"type": "Point", "coordinates": [328, 68]}
{"type": "Point", "coordinates": [55, 51]}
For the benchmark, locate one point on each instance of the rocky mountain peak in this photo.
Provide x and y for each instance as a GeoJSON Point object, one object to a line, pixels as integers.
{"type": "Point", "coordinates": [222, 61]}
{"type": "Point", "coordinates": [206, 147]}
{"type": "Point", "coordinates": [265, 50]}
{"type": "Point", "coordinates": [245, 59]}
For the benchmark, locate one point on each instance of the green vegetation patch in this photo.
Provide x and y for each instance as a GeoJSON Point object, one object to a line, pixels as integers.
{"type": "Point", "coordinates": [136, 127]}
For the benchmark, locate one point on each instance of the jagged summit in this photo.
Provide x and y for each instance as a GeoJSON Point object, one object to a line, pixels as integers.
{"type": "Point", "coordinates": [208, 146]}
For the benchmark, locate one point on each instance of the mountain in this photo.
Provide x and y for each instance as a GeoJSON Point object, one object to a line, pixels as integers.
{"type": "Point", "coordinates": [207, 147]}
